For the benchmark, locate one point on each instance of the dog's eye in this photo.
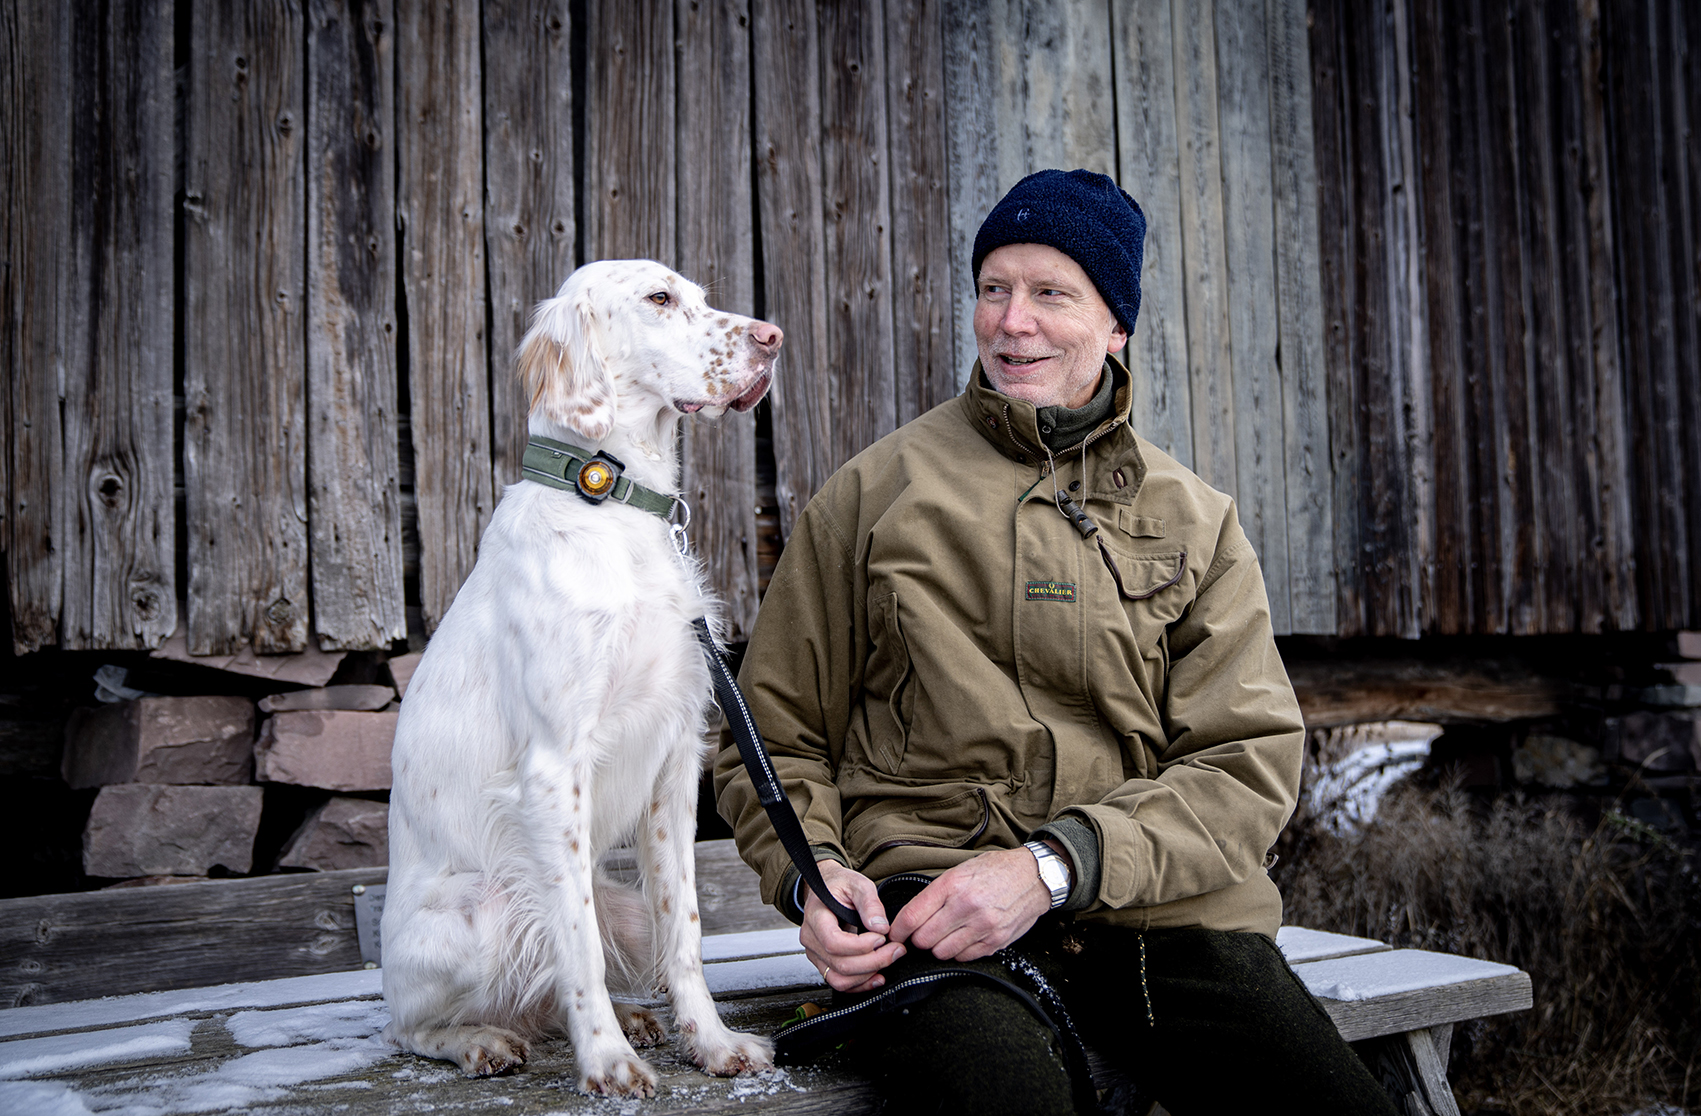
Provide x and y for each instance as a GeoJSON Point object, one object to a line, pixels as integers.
{"type": "Point", "coordinates": [660, 298]}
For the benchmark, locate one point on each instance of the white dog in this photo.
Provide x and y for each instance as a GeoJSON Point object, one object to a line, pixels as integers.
{"type": "Point", "coordinates": [559, 710]}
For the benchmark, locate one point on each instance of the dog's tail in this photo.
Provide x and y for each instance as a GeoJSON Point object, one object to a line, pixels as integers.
{"type": "Point", "coordinates": [628, 937]}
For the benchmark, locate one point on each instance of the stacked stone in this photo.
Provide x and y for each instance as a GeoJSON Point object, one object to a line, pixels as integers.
{"type": "Point", "coordinates": [178, 779]}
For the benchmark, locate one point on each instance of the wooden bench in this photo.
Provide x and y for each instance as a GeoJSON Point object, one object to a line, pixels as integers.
{"type": "Point", "coordinates": [310, 1041]}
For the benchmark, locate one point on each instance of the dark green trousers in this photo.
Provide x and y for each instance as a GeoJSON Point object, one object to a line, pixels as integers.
{"type": "Point", "coordinates": [1202, 1021]}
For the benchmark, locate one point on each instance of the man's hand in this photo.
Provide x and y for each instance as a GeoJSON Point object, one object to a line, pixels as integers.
{"type": "Point", "coordinates": [976, 908]}
{"type": "Point", "coordinates": [850, 962]}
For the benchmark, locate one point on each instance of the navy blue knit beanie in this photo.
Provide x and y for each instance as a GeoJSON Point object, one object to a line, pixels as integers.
{"type": "Point", "coordinates": [1084, 216]}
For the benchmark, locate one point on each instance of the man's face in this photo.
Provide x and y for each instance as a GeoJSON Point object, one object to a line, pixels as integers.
{"type": "Point", "coordinates": [1042, 327]}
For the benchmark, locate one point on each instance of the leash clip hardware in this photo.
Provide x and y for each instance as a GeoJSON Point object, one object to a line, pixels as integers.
{"type": "Point", "coordinates": [676, 531]}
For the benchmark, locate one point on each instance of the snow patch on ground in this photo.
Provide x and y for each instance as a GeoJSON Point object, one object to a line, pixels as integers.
{"type": "Point", "coordinates": [62, 1053]}
{"type": "Point", "coordinates": [314, 1022]}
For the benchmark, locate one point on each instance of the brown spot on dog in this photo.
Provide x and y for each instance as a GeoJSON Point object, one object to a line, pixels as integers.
{"type": "Point", "coordinates": [558, 879]}
{"type": "Point", "coordinates": [596, 1031]}
{"type": "Point", "coordinates": [666, 906]}
{"type": "Point", "coordinates": [574, 844]}
{"type": "Point", "coordinates": [693, 916]}
{"type": "Point", "coordinates": [661, 834]}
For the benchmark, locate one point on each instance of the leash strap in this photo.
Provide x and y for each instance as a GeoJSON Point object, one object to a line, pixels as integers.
{"type": "Point", "coordinates": [761, 769]}
{"type": "Point", "coordinates": [560, 465]}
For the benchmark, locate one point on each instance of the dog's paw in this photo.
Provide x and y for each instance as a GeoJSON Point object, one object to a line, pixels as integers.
{"type": "Point", "coordinates": [730, 1053]}
{"type": "Point", "coordinates": [641, 1026]}
{"type": "Point", "coordinates": [623, 1077]}
{"type": "Point", "coordinates": [491, 1051]}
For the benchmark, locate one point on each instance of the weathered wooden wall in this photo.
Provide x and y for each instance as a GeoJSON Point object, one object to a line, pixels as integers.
{"type": "Point", "coordinates": [1510, 257]}
{"type": "Point", "coordinates": [1419, 290]}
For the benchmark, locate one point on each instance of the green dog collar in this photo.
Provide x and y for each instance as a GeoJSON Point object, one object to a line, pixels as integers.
{"type": "Point", "coordinates": [596, 477]}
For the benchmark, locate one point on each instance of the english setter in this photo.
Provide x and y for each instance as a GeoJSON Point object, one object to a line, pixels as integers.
{"type": "Point", "coordinates": [559, 710]}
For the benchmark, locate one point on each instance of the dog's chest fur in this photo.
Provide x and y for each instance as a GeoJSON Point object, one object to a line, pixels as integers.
{"type": "Point", "coordinates": [572, 636]}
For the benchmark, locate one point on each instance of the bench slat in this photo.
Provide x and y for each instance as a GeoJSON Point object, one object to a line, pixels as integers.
{"type": "Point", "coordinates": [1405, 989]}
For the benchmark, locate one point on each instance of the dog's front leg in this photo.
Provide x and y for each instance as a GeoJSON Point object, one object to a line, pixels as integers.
{"type": "Point", "coordinates": [558, 805]}
{"type": "Point", "coordinates": [667, 843]}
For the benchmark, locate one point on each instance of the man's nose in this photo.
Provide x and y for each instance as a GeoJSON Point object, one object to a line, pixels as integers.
{"type": "Point", "coordinates": [1018, 316]}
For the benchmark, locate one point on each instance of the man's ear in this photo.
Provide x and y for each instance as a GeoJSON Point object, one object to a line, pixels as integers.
{"type": "Point", "coordinates": [562, 372]}
{"type": "Point", "coordinates": [1118, 338]}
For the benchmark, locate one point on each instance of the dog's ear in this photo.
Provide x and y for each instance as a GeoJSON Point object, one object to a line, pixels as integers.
{"type": "Point", "coordinates": [562, 372]}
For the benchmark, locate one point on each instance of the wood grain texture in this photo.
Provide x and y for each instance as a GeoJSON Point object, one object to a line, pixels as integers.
{"type": "Point", "coordinates": [1331, 118]}
{"type": "Point", "coordinates": [1056, 99]}
{"type": "Point", "coordinates": [972, 66]}
{"type": "Point", "coordinates": [528, 192]}
{"type": "Point", "coordinates": [245, 364]}
{"type": "Point", "coordinates": [926, 279]}
{"type": "Point", "coordinates": [857, 219]}
{"type": "Point", "coordinates": [786, 50]}
{"type": "Point", "coordinates": [354, 505]}
{"type": "Point", "coordinates": [1451, 589]}
{"type": "Point", "coordinates": [1299, 322]}
{"type": "Point", "coordinates": [716, 249]}
{"type": "Point", "coordinates": [1605, 454]}
{"type": "Point", "coordinates": [1210, 351]}
{"type": "Point", "coordinates": [1149, 168]}
{"type": "Point", "coordinates": [440, 207]}
{"type": "Point", "coordinates": [629, 173]}
{"type": "Point", "coordinates": [1427, 1007]}
{"type": "Point", "coordinates": [191, 934]}
{"type": "Point", "coordinates": [35, 298]}
{"type": "Point", "coordinates": [120, 529]}
{"type": "Point", "coordinates": [1241, 35]}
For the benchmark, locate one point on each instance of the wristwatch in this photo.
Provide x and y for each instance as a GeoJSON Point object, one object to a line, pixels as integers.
{"type": "Point", "coordinates": [1053, 871]}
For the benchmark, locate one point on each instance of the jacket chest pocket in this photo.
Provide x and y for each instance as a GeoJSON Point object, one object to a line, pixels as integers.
{"type": "Point", "coordinates": [888, 686]}
{"type": "Point", "coordinates": [1155, 590]}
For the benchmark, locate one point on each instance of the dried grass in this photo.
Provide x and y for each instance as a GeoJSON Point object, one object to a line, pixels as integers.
{"type": "Point", "coordinates": [1606, 922]}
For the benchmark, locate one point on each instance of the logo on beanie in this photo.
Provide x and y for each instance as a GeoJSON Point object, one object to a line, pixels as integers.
{"type": "Point", "coordinates": [1022, 214]}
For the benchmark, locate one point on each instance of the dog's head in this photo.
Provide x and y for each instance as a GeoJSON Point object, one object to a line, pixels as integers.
{"type": "Point", "coordinates": [633, 336]}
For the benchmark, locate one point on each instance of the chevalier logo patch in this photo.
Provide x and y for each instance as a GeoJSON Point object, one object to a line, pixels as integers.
{"type": "Point", "coordinates": [1051, 591]}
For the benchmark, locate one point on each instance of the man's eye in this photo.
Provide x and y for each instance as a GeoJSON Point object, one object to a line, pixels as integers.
{"type": "Point", "coordinates": [659, 298]}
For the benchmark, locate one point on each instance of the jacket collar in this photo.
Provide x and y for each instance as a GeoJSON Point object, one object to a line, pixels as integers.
{"type": "Point", "coordinates": [1012, 427]}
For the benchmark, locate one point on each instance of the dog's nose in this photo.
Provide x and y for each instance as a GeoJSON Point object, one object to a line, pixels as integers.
{"type": "Point", "coordinates": [766, 336]}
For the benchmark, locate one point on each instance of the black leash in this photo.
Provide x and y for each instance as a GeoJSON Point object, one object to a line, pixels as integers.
{"type": "Point", "coordinates": [767, 784]}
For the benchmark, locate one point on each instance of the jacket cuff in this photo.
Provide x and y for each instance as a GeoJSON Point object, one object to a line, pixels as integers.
{"type": "Point", "coordinates": [789, 900]}
{"type": "Point", "coordinates": [1082, 843]}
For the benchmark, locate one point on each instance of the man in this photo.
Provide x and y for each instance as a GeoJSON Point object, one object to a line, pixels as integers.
{"type": "Point", "coordinates": [1015, 648]}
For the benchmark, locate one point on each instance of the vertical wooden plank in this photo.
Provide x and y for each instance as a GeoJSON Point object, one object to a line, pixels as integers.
{"type": "Point", "coordinates": [1299, 323]}
{"type": "Point", "coordinates": [354, 517]}
{"type": "Point", "coordinates": [923, 277]}
{"type": "Point", "coordinates": [973, 58]}
{"type": "Point", "coordinates": [1337, 249]}
{"type": "Point", "coordinates": [788, 179]}
{"type": "Point", "coordinates": [1249, 250]}
{"type": "Point", "coordinates": [35, 119]}
{"type": "Point", "coordinates": [1149, 168]}
{"type": "Point", "coordinates": [245, 422]}
{"type": "Point", "coordinates": [1209, 340]}
{"type": "Point", "coordinates": [1519, 544]}
{"type": "Point", "coordinates": [120, 571]}
{"type": "Point", "coordinates": [440, 203]}
{"type": "Point", "coordinates": [1028, 87]}
{"type": "Point", "coordinates": [1606, 457]}
{"type": "Point", "coordinates": [1448, 604]}
{"type": "Point", "coordinates": [716, 236]}
{"type": "Point", "coordinates": [1556, 339]}
{"type": "Point", "coordinates": [857, 216]}
{"type": "Point", "coordinates": [528, 178]}
{"type": "Point", "coordinates": [629, 168]}
{"type": "Point", "coordinates": [1682, 62]}
{"type": "Point", "coordinates": [1058, 99]}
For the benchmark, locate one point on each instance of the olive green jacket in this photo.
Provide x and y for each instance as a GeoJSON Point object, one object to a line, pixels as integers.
{"type": "Point", "coordinates": [943, 664]}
